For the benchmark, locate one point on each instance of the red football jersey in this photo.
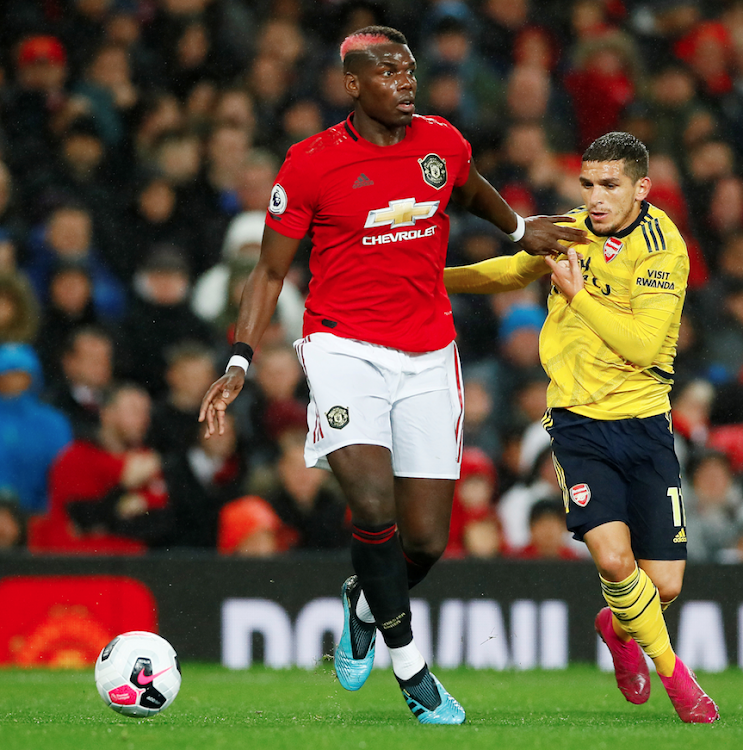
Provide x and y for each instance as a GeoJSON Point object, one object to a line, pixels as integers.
{"type": "Point", "coordinates": [376, 218]}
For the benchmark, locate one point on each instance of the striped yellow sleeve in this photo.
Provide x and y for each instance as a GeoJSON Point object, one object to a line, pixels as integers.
{"type": "Point", "coordinates": [495, 274]}
{"type": "Point", "coordinates": [657, 291]}
{"type": "Point", "coordinates": [637, 336]}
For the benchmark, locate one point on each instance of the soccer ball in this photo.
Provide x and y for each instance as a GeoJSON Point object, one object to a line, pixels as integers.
{"type": "Point", "coordinates": [138, 674]}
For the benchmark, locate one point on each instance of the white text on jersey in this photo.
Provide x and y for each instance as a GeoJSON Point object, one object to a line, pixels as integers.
{"type": "Point", "coordinates": [411, 234]}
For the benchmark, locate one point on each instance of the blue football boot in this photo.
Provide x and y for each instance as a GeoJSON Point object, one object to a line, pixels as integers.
{"type": "Point", "coordinates": [429, 700]}
{"type": "Point", "coordinates": [354, 655]}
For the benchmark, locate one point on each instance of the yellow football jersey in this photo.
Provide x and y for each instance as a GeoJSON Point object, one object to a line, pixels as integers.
{"type": "Point", "coordinates": [609, 353]}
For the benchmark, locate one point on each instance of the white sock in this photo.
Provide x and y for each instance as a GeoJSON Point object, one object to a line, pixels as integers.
{"type": "Point", "coordinates": [362, 610]}
{"type": "Point", "coordinates": [407, 661]}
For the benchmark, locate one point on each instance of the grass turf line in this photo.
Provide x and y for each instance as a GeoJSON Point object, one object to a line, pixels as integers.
{"type": "Point", "coordinates": [575, 709]}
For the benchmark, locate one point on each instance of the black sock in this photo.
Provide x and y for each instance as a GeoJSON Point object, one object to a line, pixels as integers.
{"type": "Point", "coordinates": [380, 565]}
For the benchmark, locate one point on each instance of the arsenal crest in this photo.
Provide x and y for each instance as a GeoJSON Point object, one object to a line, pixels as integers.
{"type": "Point", "coordinates": [580, 494]}
{"type": "Point", "coordinates": [612, 246]}
{"type": "Point", "coordinates": [337, 417]}
{"type": "Point", "coordinates": [434, 170]}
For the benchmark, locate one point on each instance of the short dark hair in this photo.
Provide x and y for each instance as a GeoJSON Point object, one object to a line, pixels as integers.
{"type": "Point", "coordinates": [546, 507]}
{"type": "Point", "coordinates": [356, 46]}
{"type": "Point", "coordinates": [619, 146]}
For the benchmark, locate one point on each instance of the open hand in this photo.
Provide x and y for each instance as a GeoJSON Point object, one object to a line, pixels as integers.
{"type": "Point", "coordinates": [219, 396]}
{"type": "Point", "coordinates": [542, 236]}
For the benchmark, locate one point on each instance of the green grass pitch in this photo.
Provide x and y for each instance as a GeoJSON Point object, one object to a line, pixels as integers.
{"type": "Point", "coordinates": [576, 709]}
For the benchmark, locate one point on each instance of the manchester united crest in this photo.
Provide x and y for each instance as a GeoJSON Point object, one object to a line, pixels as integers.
{"type": "Point", "coordinates": [434, 170]}
{"type": "Point", "coordinates": [337, 417]}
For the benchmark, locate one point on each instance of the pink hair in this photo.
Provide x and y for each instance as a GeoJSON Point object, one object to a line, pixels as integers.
{"type": "Point", "coordinates": [361, 42]}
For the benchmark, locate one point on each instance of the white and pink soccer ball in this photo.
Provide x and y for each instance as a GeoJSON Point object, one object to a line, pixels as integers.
{"type": "Point", "coordinates": [138, 674]}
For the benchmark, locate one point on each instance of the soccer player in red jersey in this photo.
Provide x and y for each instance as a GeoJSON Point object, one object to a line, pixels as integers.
{"type": "Point", "coordinates": [386, 401]}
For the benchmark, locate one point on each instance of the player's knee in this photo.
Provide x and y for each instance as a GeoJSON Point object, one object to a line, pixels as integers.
{"type": "Point", "coordinates": [614, 565]}
{"type": "Point", "coordinates": [371, 505]}
{"type": "Point", "coordinates": [669, 591]}
{"type": "Point", "coordinates": [426, 550]}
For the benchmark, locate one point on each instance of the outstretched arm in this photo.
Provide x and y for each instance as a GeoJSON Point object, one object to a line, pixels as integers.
{"type": "Point", "coordinates": [257, 305]}
{"type": "Point", "coordinates": [494, 275]}
{"type": "Point", "coordinates": [541, 236]}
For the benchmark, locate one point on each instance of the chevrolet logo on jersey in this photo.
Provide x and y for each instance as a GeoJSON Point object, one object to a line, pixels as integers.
{"type": "Point", "coordinates": [402, 213]}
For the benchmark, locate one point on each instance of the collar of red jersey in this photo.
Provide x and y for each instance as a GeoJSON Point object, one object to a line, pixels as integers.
{"type": "Point", "coordinates": [351, 130]}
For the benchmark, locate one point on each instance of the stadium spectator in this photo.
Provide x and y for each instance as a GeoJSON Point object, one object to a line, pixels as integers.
{"type": "Point", "coordinates": [213, 197]}
{"type": "Point", "coordinates": [107, 85]}
{"type": "Point", "coordinates": [723, 347]}
{"type": "Point", "coordinates": [87, 368]}
{"type": "Point", "coordinates": [547, 533]}
{"type": "Point", "coordinates": [306, 501]}
{"type": "Point", "coordinates": [67, 236]}
{"type": "Point", "coordinates": [451, 52]}
{"type": "Point", "coordinates": [531, 96]}
{"type": "Point", "coordinates": [515, 504]}
{"type": "Point", "coordinates": [37, 96]}
{"type": "Point", "coordinates": [189, 370]}
{"type": "Point", "coordinates": [475, 528]}
{"type": "Point", "coordinates": [201, 479]}
{"type": "Point", "coordinates": [83, 171]}
{"type": "Point", "coordinates": [518, 344]}
{"type": "Point", "coordinates": [603, 81]}
{"type": "Point", "coordinates": [69, 307]}
{"type": "Point", "coordinates": [161, 112]}
{"type": "Point", "coordinates": [32, 433]}
{"type": "Point", "coordinates": [159, 317]}
{"type": "Point", "coordinates": [211, 296]}
{"type": "Point", "coordinates": [531, 402]}
{"type": "Point", "coordinates": [249, 527]}
{"type": "Point", "coordinates": [500, 24]}
{"type": "Point", "coordinates": [691, 404]}
{"type": "Point", "coordinates": [255, 180]}
{"type": "Point", "coordinates": [178, 156]}
{"type": "Point", "coordinates": [713, 502]}
{"type": "Point", "coordinates": [157, 215]}
{"type": "Point", "coordinates": [19, 309]}
{"type": "Point", "coordinates": [277, 401]}
{"type": "Point", "coordinates": [108, 494]}
{"type": "Point", "coordinates": [480, 418]}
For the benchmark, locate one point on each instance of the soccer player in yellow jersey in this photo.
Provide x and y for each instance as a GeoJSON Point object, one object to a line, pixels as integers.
{"type": "Point", "coordinates": [608, 346]}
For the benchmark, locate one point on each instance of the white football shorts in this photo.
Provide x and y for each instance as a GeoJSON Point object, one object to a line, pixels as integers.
{"type": "Point", "coordinates": [364, 394]}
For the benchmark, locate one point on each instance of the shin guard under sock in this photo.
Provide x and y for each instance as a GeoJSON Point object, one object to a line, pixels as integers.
{"type": "Point", "coordinates": [636, 604]}
{"type": "Point", "coordinates": [380, 565]}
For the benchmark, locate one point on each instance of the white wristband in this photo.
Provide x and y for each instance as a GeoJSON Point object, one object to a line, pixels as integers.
{"type": "Point", "coordinates": [518, 233]}
{"type": "Point", "coordinates": [237, 361]}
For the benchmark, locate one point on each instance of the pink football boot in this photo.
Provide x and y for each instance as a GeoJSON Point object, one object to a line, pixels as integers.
{"type": "Point", "coordinates": [692, 704]}
{"type": "Point", "coordinates": [630, 667]}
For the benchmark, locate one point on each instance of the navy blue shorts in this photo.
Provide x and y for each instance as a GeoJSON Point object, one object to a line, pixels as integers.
{"type": "Point", "coordinates": [623, 470]}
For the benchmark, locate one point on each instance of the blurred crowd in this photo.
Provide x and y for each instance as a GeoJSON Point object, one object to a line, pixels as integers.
{"type": "Point", "coordinates": [139, 141]}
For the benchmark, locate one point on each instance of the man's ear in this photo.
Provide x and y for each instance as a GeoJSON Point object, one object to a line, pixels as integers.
{"type": "Point", "coordinates": [643, 188]}
{"type": "Point", "coordinates": [351, 83]}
